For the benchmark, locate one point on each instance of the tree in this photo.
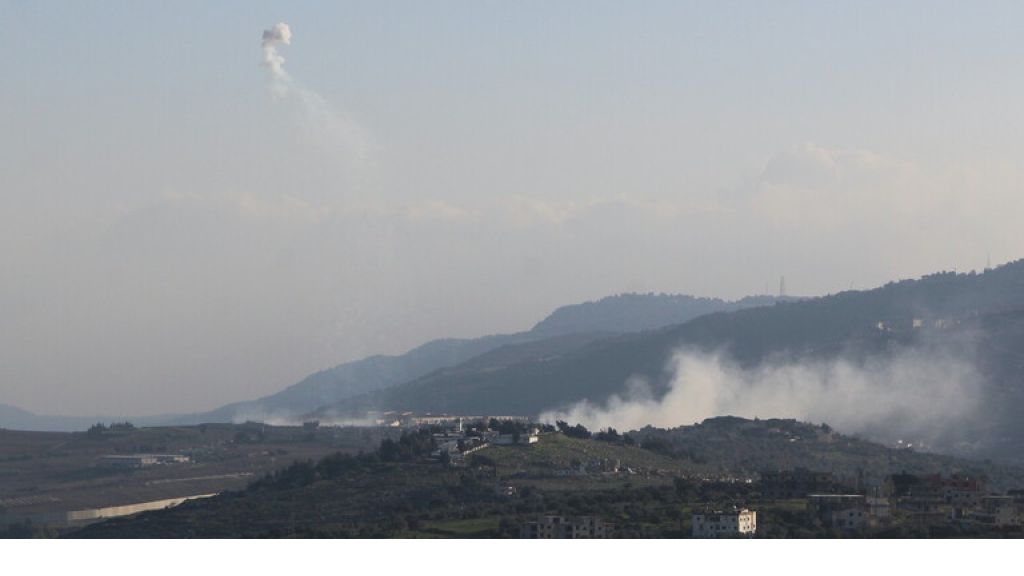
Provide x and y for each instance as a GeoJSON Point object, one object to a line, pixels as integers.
{"type": "Point", "coordinates": [686, 489]}
{"type": "Point", "coordinates": [481, 460]}
{"type": "Point", "coordinates": [609, 435]}
{"type": "Point", "coordinates": [389, 450]}
{"type": "Point", "coordinates": [577, 431]}
{"type": "Point", "coordinates": [96, 430]}
{"type": "Point", "coordinates": [409, 446]}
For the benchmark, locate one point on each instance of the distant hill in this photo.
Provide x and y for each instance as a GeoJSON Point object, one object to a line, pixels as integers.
{"type": "Point", "coordinates": [639, 312]}
{"type": "Point", "coordinates": [13, 415]}
{"type": "Point", "coordinates": [615, 314]}
{"type": "Point", "coordinates": [591, 320]}
{"type": "Point", "coordinates": [13, 418]}
{"type": "Point", "coordinates": [352, 379]}
{"type": "Point", "coordinates": [987, 308]}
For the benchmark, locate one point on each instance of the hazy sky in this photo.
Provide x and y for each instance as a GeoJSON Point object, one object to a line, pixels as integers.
{"type": "Point", "coordinates": [173, 237]}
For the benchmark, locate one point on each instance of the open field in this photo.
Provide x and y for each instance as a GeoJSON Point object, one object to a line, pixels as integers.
{"type": "Point", "coordinates": [43, 473]}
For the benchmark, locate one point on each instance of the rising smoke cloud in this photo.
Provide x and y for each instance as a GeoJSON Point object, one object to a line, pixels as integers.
{"type": "Point", "coordinates": [914, 394]}
{"type": "Point", "coordinates": [279, 80]}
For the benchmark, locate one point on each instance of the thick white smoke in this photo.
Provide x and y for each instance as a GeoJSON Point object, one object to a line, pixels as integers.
{"type": "Point", "coordinates": [913, 394]}
{"type": "Point", "coordinates": [279, 80]}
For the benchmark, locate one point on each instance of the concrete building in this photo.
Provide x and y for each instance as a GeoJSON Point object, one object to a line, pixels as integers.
{"type": "Point", "coordinates": [133, 461]}
{"type": "Point", "coordinates": [545, 527]}
{"type": "Point", "coordinates": [956, 491]}
{"type": "Point", "coordinates": [561, 527]}
{"type": "Point", "coordinates": [879, 507]}
{"type": "Point", "coordinates": [931, 491]}
{"type": "Point", "coordinates": [720, 524]}
{"type": "Point", "coordinates": [845, 511]}
{"type": "Point", "coordinates": [848, 511]}
{"type": "Point", "coordinates": [850, 518]}
{"type": "Point", "coordinates": [998, 511]}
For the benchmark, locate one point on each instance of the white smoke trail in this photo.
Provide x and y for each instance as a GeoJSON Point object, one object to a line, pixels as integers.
{"type": "Point", "coordinates": [274, 62]}
{"type": "Point", "coordinates": [332, 130]}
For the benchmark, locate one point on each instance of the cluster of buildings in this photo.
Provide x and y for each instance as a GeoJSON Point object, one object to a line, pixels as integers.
{"type": "Point", "coordinates": [962, 499]}
{"type": "Point", "coordinates": [457, 441]}
{"type": "Point", "coordinates": [935, 498]}
{"type": "Point", "coordinates": [417, 419]}
{"type": "Point", "coordinates": [140, 460]}
{"type": "Point", "coordinates": [735, 522]}
{"type": "Point", "coordinates": [847, 511]}
{"type": "Point", "coordinates": [921, 500]}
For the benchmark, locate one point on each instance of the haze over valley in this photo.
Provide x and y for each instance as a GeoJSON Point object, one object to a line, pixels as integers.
{"type": "Point", "coordinates": [421, 269]}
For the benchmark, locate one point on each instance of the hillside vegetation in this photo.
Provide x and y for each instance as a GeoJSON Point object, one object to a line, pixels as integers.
{"type": "Point", "coordinates": [648, 488]}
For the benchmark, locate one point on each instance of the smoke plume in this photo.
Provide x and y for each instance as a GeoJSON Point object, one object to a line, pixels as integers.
{"type": "Point", "coordinates": [331, 129]}
{"type": "Point", "coordinates": [915, 394]}
{"type": "Point", "coordinates": [279, 80]}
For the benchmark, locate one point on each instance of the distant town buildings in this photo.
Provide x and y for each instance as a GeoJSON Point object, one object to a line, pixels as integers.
{"type": "Point", "coordinates": [725, 523]}
{"type": "Point", "coordinates": [572, 527]}
{"type": "Point", "coordinates": [957, 490]}
{"type": "Point", "coordinates": [929, 492]}
{"type": "Point", "coordinates": [455, 440]}
{"type": "Point", "coordinates": [140, 460]}
{"type": "Point", "coordinates": [417, 419]}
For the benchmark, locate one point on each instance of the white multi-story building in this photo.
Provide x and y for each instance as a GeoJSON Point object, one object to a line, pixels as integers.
{"type": "Point", "coordinates": [718, 524]}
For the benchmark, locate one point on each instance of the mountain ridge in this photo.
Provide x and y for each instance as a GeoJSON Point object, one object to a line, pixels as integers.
{"type": "Point", "coordinates": [381, 372]}
{"type": "Point", "coordinates": [373, 373]}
